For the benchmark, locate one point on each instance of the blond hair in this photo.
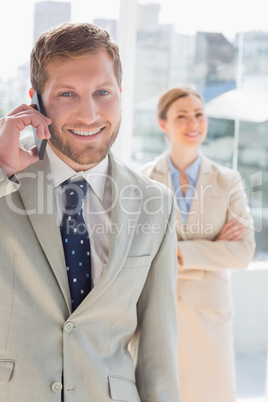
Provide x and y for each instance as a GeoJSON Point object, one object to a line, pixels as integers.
{"type": "Point", "coordinates": [171, 96]}
{"type": "Point", "coordinates": [68, 41]}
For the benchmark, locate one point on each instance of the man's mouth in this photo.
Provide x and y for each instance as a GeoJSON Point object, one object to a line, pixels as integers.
{"type": "Point", "coordinates": [86, 133]}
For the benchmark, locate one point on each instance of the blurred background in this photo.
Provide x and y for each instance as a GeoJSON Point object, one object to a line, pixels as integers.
{"type": "Point", "coordinates": [219, 47]}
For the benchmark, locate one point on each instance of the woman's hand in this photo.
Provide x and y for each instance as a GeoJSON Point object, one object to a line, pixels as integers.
{"type": "Point", "coordinates": [232, 230]}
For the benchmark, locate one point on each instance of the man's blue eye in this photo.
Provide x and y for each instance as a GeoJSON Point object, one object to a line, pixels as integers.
{"type": "Point", "coordinates": [66, 94]}
{"type": "Point", "coordinates": [103, 92]}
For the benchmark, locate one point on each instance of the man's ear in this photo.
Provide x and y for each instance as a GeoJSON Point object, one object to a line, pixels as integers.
{"type": "Point", "coordinates": [31, 92]}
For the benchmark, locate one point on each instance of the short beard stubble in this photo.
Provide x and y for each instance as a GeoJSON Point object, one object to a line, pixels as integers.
{"type": "Point", "coordinates": [90, 156]}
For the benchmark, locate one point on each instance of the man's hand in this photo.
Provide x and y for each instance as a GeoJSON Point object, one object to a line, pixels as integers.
{"type": "Point", "coordinates": [232, 230]}
{"type": "Point", "coordinates": [14, 157]}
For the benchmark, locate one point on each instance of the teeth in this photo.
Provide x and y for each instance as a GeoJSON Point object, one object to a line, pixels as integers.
{"type": "Point", "coordinates": [85, 133]}
{"type": "Point", "coordinates": [193, 134]}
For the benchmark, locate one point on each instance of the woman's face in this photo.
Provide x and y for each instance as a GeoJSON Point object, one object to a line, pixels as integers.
{"type": "Point", "coordinates": [186, 123]}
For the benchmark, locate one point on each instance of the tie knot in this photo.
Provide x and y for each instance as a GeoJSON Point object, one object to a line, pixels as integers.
{"type": "Point", "coordinates": [75, 193]}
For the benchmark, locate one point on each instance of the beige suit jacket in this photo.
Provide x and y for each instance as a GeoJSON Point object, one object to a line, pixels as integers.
{"type": "Point", "coordinates": [203, 279]}
{"type": "Point", "coordinates": [132, 307]}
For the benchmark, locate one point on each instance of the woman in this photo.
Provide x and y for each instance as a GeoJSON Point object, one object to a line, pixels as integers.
{"type": "Point", "coordinates": [215, 234]}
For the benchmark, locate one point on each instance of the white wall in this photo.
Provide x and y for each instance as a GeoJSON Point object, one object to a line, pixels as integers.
{"type": "Point", "coordinates": [250, 297]}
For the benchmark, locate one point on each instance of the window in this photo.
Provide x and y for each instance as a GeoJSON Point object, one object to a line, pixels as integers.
{"type": "Point", "coordinates": [227, 62]}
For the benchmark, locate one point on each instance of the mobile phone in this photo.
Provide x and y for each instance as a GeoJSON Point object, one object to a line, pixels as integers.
{"type": "Point", "coordinates": [40, 144]}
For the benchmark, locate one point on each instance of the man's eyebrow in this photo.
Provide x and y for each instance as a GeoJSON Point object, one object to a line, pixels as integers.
{"type": "Point", "coordinates": [68, 86]}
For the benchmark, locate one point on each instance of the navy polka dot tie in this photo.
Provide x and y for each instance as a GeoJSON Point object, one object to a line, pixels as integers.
{"type": "Point", "coordinates": [76, 241]}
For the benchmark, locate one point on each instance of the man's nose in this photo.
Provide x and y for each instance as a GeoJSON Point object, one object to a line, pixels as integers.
{"type": "Point", "coordinates": [87, 110]}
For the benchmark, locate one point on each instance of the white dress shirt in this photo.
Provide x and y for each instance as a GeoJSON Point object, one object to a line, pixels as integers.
{"type": "Point", "coordinates": [96, 206]}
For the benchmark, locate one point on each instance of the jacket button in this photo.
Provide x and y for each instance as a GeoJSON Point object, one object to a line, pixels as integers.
{"type": "Point", "coordinates": [56, 387]}
{"type": "Point", "coordinates": [68, 327]}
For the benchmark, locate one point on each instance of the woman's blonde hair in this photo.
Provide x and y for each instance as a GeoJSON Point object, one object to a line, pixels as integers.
{"type": "Point", "coordinates": [171, 96]}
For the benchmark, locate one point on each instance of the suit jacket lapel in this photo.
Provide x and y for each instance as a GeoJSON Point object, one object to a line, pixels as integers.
{"type": "Point", "coordinates": [127, 203]}
{"type": "Point", "coordinates": [202, 199]}
{"type": "Point", "coordinates": [38, 197]}
{"type": "Point", "coordinates": [37, 194]}
{"type": "Point", "coordinates": [162, 174]}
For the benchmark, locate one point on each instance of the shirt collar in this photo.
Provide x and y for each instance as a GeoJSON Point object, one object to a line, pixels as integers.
{"type": "Point", "coordinates": [192, 171]}
{"type": "Point", "coordinates": [96, 176]}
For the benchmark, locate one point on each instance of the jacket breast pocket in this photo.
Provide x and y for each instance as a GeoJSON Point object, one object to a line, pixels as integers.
{"type": "Point", "coordinates": [123, 389]}
{"type": "Point", "coordinates": [137, 262]}
{"type": "Point", "coordinates": [6, 370]}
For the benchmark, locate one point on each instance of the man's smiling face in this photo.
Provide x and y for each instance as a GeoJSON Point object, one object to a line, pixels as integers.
{"type": "Point", "coordinates": [83, 99]}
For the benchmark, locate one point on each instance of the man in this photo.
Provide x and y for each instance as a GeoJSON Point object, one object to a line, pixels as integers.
{"type": "Point", "coordinates": [116, 339]}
